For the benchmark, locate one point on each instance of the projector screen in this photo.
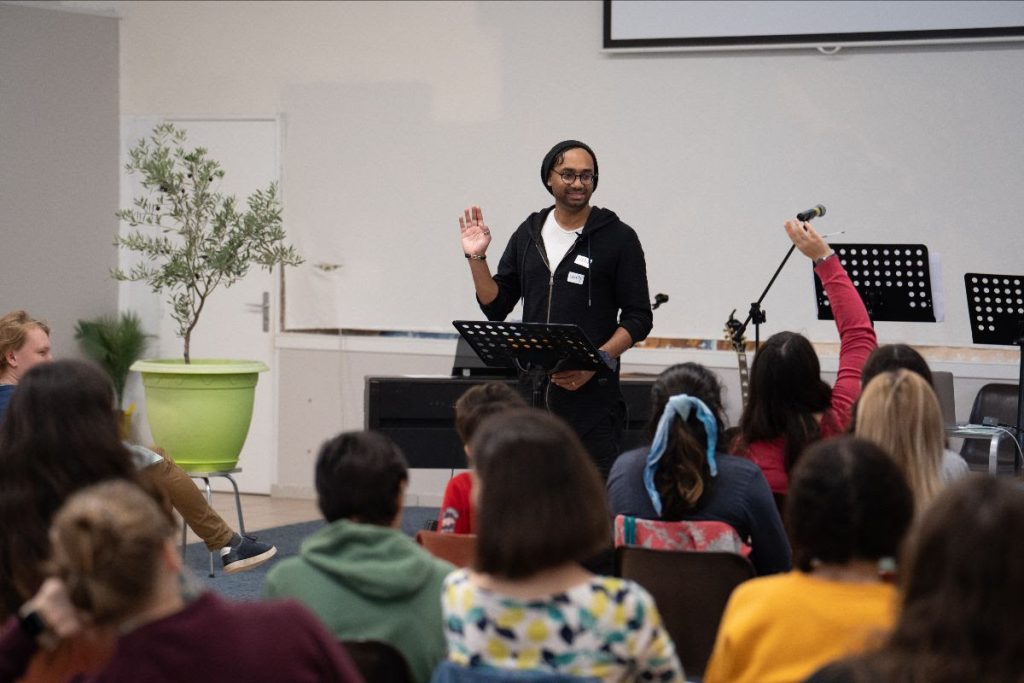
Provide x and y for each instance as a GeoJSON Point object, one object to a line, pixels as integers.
{"type": "Point", "coordinates": [706, 25]}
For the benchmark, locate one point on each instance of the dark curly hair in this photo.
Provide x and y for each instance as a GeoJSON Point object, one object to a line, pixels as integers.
{"type": "Point", "coordinates": [848, 500]}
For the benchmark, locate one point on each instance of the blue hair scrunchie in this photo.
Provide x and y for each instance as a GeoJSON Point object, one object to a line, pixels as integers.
{"type": "Point", "coordinates": [680, 405]}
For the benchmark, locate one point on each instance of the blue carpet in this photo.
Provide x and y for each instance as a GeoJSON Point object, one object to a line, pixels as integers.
{"type": "Point", "coordinates": [247, 585]}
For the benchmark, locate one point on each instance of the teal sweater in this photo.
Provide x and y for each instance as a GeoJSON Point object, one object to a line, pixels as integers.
{"type": "Point", "coordinates": [369, 582]}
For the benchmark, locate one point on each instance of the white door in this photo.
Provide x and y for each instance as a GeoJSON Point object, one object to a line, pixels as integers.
{"type": "Point", "coordinates": [232, 323]}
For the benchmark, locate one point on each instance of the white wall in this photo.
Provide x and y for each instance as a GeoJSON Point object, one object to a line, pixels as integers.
{"type": "Point", "coordinates": [399, 114]}
{"type": "Point", "coordinates": [58, 167]}
{"type": "Point", "coordinates": [704, 154]}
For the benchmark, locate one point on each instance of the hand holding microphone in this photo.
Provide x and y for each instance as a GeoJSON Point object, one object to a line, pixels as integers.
{"type": "Point", "coordinates": [807, 240]}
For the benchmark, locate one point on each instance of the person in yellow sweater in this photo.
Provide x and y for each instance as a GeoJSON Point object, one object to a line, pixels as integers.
{"type": "Point", "coordinates": [848, 509]}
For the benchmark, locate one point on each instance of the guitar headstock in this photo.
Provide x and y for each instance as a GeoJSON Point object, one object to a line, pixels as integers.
{"type": "Point", "coordinates": [734, 332]}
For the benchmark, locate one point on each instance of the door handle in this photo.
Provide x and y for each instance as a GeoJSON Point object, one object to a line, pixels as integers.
{"type": "Point", "coordinates": [263, 308]}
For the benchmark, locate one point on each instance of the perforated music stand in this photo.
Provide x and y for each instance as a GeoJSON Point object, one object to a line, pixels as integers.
{"type": "Point", "coordinates": [536, 349]}
{"type": "Point", "coordinates": [995, 304]}
{"type": "Point", "coordinates": [893, 280]}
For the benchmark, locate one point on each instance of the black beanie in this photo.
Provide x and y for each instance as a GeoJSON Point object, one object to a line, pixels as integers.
{"type": "Point", "coordinates": [549, 160]}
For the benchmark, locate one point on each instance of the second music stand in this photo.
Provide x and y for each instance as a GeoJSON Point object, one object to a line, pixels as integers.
{"type": "Point", "coordinates": [995, 304]}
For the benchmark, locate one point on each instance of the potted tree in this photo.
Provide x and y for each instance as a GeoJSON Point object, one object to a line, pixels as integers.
{"type": "Point", "coordinates": [195, 240]}
{"type": "Point", "coordinates": [115, 343]}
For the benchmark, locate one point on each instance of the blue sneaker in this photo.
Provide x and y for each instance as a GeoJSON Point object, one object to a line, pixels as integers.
{"type": "Point", "coordinates": [243, 553]}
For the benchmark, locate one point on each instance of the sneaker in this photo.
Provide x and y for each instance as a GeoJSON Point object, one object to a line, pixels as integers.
{"type": "Point", "coordinates": [244, 553]}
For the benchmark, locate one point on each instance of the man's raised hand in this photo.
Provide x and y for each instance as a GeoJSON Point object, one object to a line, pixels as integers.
{"type": "Point", "coordinates": [476, 236]}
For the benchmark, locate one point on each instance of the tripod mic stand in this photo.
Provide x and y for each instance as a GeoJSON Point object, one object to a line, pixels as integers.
{"type": "Point", "coordinates": [756, 313]}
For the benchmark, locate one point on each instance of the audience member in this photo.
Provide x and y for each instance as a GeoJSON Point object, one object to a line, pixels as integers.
{"type": "Point", "coordinates": [847, 511]}
{"type": "Point", "coordinates": [790, 406]}
{"type": "Point", "coordinates": [960, 579]}
{"type": "Point", "coordinates": [117, 568]}
{"type": "Point", "coordinates": [363, 577]}
{"type": "Point", "coordinates": [456, 515]}
{"type": "Point", "coordinates": [25, 343]}
{"type": "Point", "coordinates": [900, 412]}
{"type": "Point", "coordinates": [685, 475]}
{"type": "Point", "coordinates": [59, 435]}
{"type": "Point", "coordinates": [892, 357]}
{"type": "Point", "coordinates": [527, 603]}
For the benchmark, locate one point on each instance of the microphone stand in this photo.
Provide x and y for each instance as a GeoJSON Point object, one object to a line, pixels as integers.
{"type": "Point", "coordinates": [756, 314]}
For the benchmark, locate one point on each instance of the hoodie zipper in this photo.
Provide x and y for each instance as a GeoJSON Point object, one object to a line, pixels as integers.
{"type": "Point", "coordinates": [551, 272]}
{"type": "Point", "coordinates": [551, 277]}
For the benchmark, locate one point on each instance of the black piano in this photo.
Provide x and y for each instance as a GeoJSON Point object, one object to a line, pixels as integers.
{"type": "Point", "coordinates": [419, 414]}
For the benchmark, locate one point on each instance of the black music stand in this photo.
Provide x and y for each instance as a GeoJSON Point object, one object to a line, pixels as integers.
{"type": "Point", "coordinates": [995, 304]}
{"type": "Point", "coordinates": [535, 349]}
{"type": "Point", "coordinates": [893, 280]}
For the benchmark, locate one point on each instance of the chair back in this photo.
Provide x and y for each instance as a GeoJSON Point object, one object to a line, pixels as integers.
{"type": "Point", "coordinates": [450, 672]}
{"type": "Point", "coordinates": [698, 536]}
{"type": "Point", "coordinates": [378, 660]}
{"type": "Point", "coordinates": [459, 549]}
{"type": "Point", "coordinates": [997, 401]}
{"type": "Point", "coordinates": [943, 383]}
{"type": "Point", "coordinates": [690, 590]}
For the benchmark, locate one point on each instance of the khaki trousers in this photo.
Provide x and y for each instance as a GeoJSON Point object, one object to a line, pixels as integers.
{"type": "Point", "coordinates": [189, 501]}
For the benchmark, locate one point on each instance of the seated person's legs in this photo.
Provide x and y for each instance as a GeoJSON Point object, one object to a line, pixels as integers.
{"type": "Point", "coordinates": [237, 552]}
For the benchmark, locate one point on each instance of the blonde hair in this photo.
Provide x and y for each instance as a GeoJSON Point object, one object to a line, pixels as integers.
{"type": "Point", "coordinates": [14, 328]}
{"type": "Point", "coordinates": [900, 412]}
{"type": "Point", "coordinates": [107, 540]}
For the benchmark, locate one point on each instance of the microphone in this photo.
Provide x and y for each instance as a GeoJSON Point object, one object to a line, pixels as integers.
{"type": "Point", "coordinates": [659, 299]}
{"type": "Point", "coordinates": [811, 214]}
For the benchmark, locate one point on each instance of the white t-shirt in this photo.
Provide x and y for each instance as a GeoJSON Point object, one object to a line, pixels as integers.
{"type": "Point", "coordinates": [557, 241]}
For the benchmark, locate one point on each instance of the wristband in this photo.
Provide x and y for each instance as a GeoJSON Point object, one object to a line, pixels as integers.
{"type": "Point", "coordinates": [477, 257]}
{"type": "Point", "coordinates": [824, 258]}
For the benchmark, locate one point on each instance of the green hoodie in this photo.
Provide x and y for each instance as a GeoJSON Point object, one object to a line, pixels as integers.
{"type": "Point", "coordinates": [369, 582]}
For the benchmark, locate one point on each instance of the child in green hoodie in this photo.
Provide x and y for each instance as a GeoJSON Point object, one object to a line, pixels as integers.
{"type": "Point", "coordinates": [360, 574]}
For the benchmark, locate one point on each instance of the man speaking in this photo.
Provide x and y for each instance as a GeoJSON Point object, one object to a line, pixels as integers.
{"type": "Point", "coordinates": [571, 263]}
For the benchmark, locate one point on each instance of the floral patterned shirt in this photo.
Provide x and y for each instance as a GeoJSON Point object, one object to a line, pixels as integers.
{"type": "Point", "coordinates": [605, 628]}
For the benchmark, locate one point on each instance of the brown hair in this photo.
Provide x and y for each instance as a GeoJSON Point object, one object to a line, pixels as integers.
{"type": "Point", "coordinates": [684, 474]}
{"type": "Point", "coordinates": [786, 391]}
{"type": "Point", "coordinates": [13, 328]}
{"type": "Point", "coordinates": [107, 540]}
{"type": "Point", "coordinates": [542, 500]}
{"type": "Point", "coordinates": [900, 412]}
{"type": "Point", "coordinates": [478, 402]}
{"type": "Point", "coordinates": [59, 435]}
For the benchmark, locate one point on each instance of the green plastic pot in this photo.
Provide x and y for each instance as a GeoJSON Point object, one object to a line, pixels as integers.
{"type": "Point", "coordinates": [200, 413]}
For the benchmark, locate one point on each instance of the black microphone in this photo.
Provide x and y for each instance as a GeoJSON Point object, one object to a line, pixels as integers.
{"type": "Point", "coordinates": [811, 214]}
{"type": "Point", "coordinates": [659, 299]}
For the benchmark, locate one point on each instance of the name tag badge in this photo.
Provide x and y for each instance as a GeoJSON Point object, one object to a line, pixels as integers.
{"type": "Point", "coordinates": [576, 278]}
{"type": "Point", "coordinates": [582, 260]}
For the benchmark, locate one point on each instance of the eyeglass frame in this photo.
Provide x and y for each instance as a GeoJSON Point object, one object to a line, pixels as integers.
{"type": "Point", "coordinates": [575, 176]}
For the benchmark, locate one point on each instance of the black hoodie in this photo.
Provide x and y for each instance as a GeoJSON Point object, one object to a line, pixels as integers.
{"type": "Point", "coordinates": [611, 293]}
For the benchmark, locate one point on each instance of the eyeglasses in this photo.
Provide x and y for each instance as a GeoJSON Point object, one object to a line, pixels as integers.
{"type": "Point", "coordinates": [569, 177]}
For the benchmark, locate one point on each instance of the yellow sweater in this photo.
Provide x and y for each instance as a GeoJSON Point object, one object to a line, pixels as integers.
{"type": "Point", "coordinates": [783, 628]}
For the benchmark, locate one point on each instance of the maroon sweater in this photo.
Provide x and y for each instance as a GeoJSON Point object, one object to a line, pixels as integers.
{"type": "Point", "coordinates": [212, 641]}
